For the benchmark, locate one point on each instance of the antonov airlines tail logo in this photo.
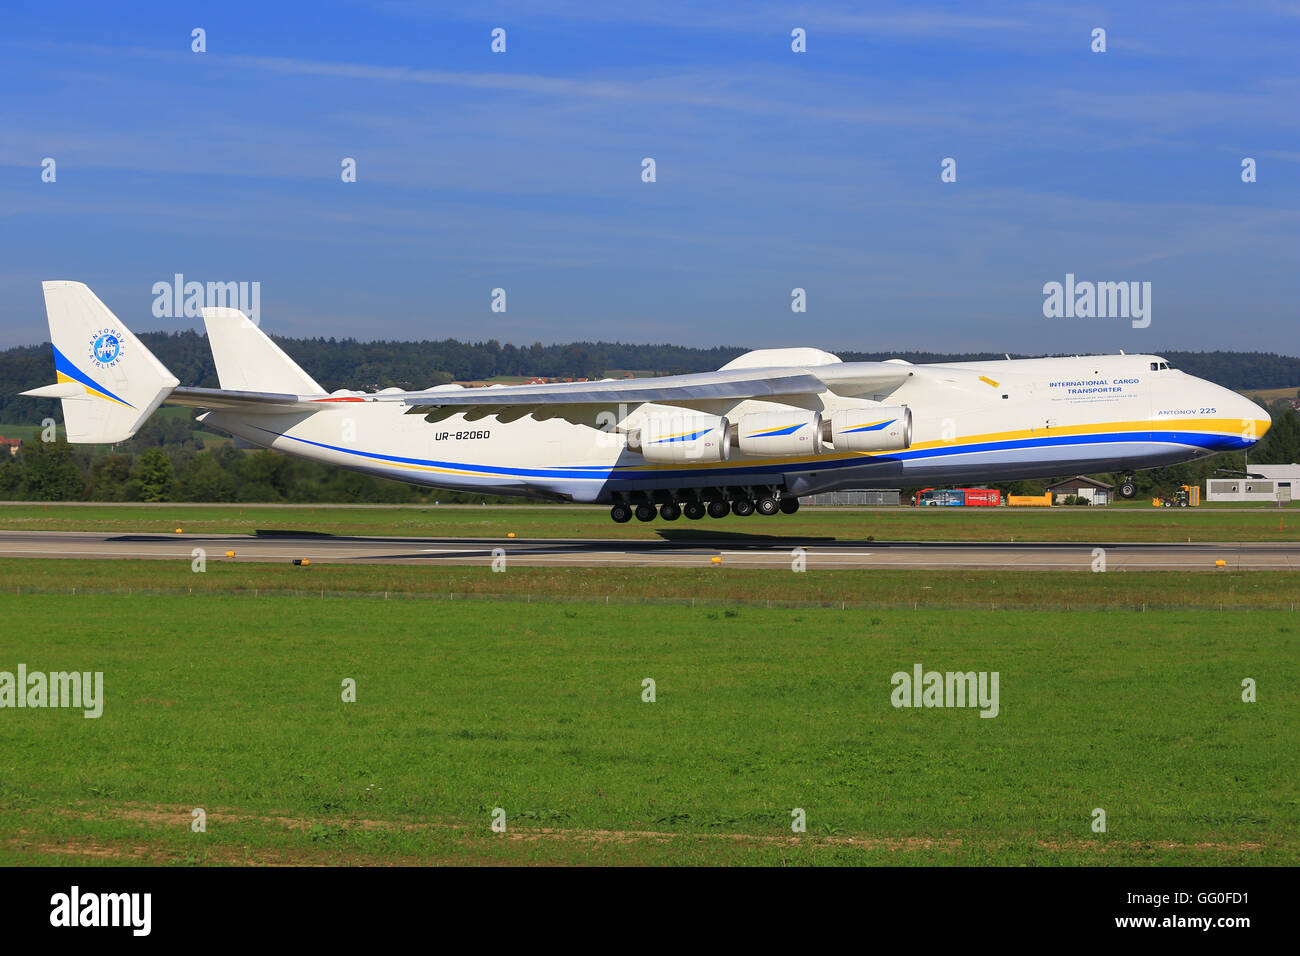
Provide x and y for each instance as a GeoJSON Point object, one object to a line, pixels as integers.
{"type": "Point", "coordinates": [106, 347]}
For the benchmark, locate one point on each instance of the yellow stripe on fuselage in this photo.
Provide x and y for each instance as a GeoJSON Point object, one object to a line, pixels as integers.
{"type": "Point", "coordinates": [1215, 426]}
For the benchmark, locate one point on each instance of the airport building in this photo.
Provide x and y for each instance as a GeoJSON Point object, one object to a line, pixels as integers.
{"type": "Point", "coordinates": [1276, 483]}
{"type": "Point", "coordinates": [1081, 486]}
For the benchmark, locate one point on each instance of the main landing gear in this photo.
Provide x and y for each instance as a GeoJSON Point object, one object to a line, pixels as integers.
{"type": "Point", "coordinates": [696, 503]}
{"type": "Point", "coordinates": [1127, 487]}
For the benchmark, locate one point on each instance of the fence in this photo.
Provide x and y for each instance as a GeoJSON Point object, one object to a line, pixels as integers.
{"type": "Point", "coordinates": [879, 497]}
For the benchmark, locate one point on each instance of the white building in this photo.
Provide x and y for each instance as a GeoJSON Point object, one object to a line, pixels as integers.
{"type": "Point", "coordinates": [1277, 483]}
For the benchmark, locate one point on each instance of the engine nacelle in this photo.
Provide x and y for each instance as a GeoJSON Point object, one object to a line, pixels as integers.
{"type": "Point", "coordinates": [882, 428]}
{"type": "Point", "coordinates": [780, 434]}
{"type": "Point", "coordinates": [669, 439]}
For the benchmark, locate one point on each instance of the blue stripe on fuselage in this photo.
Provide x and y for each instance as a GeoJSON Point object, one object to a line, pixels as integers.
{"type": "Point", "coordinates": [1214, 442]}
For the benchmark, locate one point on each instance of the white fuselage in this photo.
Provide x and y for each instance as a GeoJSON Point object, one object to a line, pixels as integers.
{"type": "Point", "coordinates": [972, 422]}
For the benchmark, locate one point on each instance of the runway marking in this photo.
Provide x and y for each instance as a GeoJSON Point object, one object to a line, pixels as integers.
{"type": "Point", "coordinates": [765, 553]}
{"type": "Point", "coordinates": [810, 552]}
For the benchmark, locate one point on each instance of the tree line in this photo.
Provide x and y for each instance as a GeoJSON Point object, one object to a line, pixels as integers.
{"type": "Point", "coordinates": [348, 363]}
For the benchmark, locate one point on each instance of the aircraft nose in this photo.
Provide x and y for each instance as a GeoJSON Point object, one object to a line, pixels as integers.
{"type": "Point", "coordinates": [1263, 420]}
{"type": "Point", "coordinates": [1255, 420]}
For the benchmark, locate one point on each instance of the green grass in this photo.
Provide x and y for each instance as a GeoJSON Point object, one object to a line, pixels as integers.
{"type": "Point", "coordinates": [1094, 525]}
{"type": "Point", "coordinates": [894, 588]}
{"type": "Point", "coordinates": [1272, 394]}
{"type": "Point", "coordinates": [232, 704]}
{"type": "Point", "coordinates": [25, 430]}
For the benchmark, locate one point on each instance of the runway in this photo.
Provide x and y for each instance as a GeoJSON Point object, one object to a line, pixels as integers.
{"type": "Point", "coordinates": [676, 549]}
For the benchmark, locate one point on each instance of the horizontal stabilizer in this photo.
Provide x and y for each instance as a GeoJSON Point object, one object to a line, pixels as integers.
{"type": "Point", "coordinates": [60, 390]}
{"type": "Point", "coordinates": [243, 401]}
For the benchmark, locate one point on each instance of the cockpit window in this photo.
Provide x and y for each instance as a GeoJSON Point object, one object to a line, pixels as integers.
{"type": "Point", "coordinates": [1154, 367]}
{"type": "Point", "coordinates": [1164, 366]}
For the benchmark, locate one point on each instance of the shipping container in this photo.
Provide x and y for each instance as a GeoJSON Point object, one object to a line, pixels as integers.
{"type": "Point", "coordinates": [1030, 501]}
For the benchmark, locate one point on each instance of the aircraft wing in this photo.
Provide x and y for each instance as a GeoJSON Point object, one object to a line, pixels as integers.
{"type": "Point", "coordinates": [703, 386]}
{"type": "Point", "coordinates": [851, 378]}
{"type": "Point", "coordinates": [570, 399]}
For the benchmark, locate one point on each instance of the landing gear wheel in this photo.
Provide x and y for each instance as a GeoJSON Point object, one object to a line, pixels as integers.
{"type": "Point", "coordinates": [670, 511]}
{"type": "Point", "coordinates": [789, 505]}
{"type": "Point", "coordinates": [1127, 489]}
{"type": "Point", "coordinates": [742, 507]}
{"type": "Point", "coordinates": [693, 510]}
{"type": "Point", "coordinates": [645, 512]}
{"type": "Point", "coordinates": [719, 509]}
{"type": "Point", "coordinates": [766, 505]}
{"type": "Point", "coordinates": [621, 513]}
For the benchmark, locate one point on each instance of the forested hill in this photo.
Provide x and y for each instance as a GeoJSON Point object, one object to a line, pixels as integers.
{"type": "Point", "coordinates": [348, 363]}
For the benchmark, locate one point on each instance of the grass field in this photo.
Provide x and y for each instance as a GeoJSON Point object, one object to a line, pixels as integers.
{"type": "Point", "coordinates": [1272, 394]}
{"type": "Point", "coordinates": [888, 588]}
{"type": "Point", "coordinates": [232, 703]}
{"type": "Point", "coordinates": [26, 430]}
{"type": "Point", "coordinates": [1096, 525]}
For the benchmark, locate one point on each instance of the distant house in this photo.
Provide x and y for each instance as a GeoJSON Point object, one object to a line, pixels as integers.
{"type": "Point", "coordinates": [1081, 486]}
{"type": "Point", "coordinates": [13, 444]}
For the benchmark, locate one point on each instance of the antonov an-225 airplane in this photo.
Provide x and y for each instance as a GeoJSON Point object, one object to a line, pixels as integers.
{"type": "Point", "coordinates": [755, 435]}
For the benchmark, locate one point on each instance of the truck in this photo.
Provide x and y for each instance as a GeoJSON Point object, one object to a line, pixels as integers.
{"type": "Point", "coordinates": [1185, 497]}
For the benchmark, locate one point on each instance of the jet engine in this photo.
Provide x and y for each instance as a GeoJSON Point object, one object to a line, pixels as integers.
{"type": "Point", "coordinates": [877, 428]}
{"type": "Point", "coordinates": [780, 434]}
{"type": "Point", "coordinates": [670, 439]}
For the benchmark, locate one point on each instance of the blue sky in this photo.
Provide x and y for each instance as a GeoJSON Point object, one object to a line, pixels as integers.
{"type": "Point", "coordinates": [775, 170]}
